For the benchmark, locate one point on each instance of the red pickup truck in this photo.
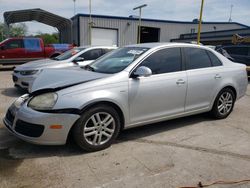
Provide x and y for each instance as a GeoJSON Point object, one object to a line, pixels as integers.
{"type": "Point", "coordinates": [22, 50]}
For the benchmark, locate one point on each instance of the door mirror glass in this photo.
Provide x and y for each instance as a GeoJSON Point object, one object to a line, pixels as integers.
{"type": "Point", "coordinates": [78, 59]}
{"type": "Point", "coordinates": [142, 71]}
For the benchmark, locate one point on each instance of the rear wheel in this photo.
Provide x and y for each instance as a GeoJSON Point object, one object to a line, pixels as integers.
{"type": "Point", "coordinates": [97, 128]}
{"type": "Point", "coordinates": [223, 104]}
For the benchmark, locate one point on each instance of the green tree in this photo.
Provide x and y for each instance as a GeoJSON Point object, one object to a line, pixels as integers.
{"type": "Point", "coordinates": [48, 38]}
{"type": "Point", "coordinates": [15, 30]}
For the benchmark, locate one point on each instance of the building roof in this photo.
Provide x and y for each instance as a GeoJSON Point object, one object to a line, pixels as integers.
{"type": "Point", "coordinates": [152, 20]}
{"type": "Point", "coordinates": [37, 15]}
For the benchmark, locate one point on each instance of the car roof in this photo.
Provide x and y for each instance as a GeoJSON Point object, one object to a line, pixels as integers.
{"type": "Point", "coordinates": [97, 46]}
{"type": "Point", "coordinates": [166, 44]}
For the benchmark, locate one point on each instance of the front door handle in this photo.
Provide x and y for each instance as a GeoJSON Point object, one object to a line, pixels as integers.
{"type": "Point", "coordinates": [217, 76]}
{"type": "Point", "coordinates": [180, 82]}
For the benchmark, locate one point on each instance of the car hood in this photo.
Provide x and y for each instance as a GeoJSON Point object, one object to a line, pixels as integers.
{"type": "Point", "coordinates": [52, 79]}
{"type": "Point", "coordinates": [40, 64]}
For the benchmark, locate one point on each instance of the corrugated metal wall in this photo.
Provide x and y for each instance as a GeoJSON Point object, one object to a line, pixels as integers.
{"type": "Point", "coordinates": [127, 29]}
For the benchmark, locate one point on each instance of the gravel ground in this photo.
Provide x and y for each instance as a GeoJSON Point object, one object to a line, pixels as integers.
{"type": "Point", "coordinates": [170, 154]}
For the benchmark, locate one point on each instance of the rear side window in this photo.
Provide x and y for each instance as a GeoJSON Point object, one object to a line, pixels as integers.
{"type": "Point", "coordinates": [106, 50]}
{"type": "Point", "coordinates": [164, 61]}
{"type": "Point", "coordinates": [14, 44]}
{"type": "Point", "coordinates": [92, 54]}
{"type": "Point", "coordinates": [197, 58]}
{"type": "Point", "coordinates": [215, 61]}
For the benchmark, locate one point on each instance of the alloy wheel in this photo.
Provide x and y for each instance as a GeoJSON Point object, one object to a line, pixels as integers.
{"type": "Point", "coordinates": [225, 103]}
{"type": "Point", "coordinates": [99, 128]}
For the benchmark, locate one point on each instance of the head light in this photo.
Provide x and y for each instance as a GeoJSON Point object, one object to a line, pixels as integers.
{"type": "Point", "coordinates": [44, 101]}
{"type": "Point", "coordinates": [29, 72]}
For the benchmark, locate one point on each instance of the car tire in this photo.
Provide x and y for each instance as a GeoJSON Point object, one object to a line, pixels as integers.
{"type": "Point", "coordinates": [223, 104]}
{"type": "Point", "coordinates": [97, 128]}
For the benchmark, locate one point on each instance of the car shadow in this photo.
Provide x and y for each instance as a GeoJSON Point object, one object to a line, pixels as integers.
{"type": "Point", "coordinates": [13, 92]}
{"type": "Point", "coordinates": [152, 129]}
{"type": "Point", "coordinates": [23, 150]}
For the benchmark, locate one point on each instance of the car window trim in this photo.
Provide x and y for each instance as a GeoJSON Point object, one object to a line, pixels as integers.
{"type": "Point", "coordinates": [156, 50]}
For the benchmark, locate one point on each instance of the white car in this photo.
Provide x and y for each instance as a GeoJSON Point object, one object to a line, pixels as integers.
{"type": "Point", "coordinates": [24, 75]}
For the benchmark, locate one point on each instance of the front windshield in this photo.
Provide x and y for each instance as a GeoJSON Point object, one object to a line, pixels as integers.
{"type": "Point", "coordinates": [117, 60]}
{"type": "Point", "coordinates": [68, 54]}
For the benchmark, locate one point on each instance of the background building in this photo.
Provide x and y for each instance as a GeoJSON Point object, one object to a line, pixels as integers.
{"type": "Point", "coordinates": [114, 30]}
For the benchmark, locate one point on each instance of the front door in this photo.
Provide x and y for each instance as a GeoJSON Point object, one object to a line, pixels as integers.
{"type": "Point", "coordinates": [163, 93]}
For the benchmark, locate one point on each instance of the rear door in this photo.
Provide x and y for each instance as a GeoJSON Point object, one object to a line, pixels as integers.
{"type": "Point", "coordinates": [163, 93]}
{"type": "Point", "coordinates": [33, 49]}
{"type": "Point", "coordinates": [204, 73]}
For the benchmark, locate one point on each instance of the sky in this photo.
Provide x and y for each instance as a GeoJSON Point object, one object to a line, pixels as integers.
{"type": "Point", "coordinates": [181, 10]}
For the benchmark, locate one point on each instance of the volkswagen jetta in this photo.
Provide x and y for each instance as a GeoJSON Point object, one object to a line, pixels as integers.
{"type": "Point", "coordinates": [131, 86]}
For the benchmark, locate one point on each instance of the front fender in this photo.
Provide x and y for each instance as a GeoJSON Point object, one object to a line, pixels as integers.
{"type": "Point", "coordinates": [115, 93]}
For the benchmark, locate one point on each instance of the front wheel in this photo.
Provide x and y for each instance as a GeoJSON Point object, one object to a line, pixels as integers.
{"type": "Point", "coordinates": [223, 104]}
{"type": "Point", "coordinates": [97, 128]}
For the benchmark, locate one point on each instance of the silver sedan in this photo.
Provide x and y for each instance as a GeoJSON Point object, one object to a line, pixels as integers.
{"type": "Point", "coordinates": [131, 86]}
{"type": "Point", "coordinates": [24, 75]}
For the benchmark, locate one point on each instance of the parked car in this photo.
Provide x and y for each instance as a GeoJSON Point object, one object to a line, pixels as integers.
{"type": "Point", "coordinates": [21, 50]}
{"type": "Point", "coordinates": [131, 86]}
{"type": "Point", "coordinates": [24, 75]}
{"type": "Point", "coordinates": [237, 53]}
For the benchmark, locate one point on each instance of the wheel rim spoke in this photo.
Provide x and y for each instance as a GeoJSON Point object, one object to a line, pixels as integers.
{"type": "Point", "coordinates": [99, 139]}
{"type": "Point", "coordinates": [106, 134]}
{"type": "Point", "coordinates": [95, 138]}
{"type": "Point", "coordinates": [90, 133]}
{"type": "Point", "coordinates": [87, 129]}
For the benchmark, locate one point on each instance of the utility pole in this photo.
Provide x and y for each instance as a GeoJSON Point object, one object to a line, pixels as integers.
{"type": "Point", "coordinates": [230, 17]}
{"type": "Point", "coordinates": [74, 7]}
{"type": "Point", "coordinates": [90, 23]}
{"type": "Point", "coordinates": [139, 29]}
{"type": "Point", "coordinates": [200, 20]}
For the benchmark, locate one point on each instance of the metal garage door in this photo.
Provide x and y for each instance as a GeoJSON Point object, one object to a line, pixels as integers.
{"type": "Point", "coordinates": [104, 36]}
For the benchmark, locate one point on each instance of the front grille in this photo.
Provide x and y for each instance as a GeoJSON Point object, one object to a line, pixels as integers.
{"type": "Point", "coordinates": [9, 116]}
{"type": "Point", "coordinates": [14, 78]}
{"type": "Point", "coordinates": [29, 129]}
{"type": "Point", "coordinates": [15, 71]}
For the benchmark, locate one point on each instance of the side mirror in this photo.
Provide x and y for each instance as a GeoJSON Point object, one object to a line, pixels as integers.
{"type": "Point", "coordinates": [78, 59]}
{"type": "Point", "coordinates": [142, 72]}
{"type": "Point", "coordinates": [2, 47]}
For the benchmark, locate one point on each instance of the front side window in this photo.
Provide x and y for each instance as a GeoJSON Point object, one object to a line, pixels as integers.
{"type": "Point", "coordinates": [32, 45]}
{"type": "Point", "coordinates": [68, 54]}
{"type": "Point", "coordinates": [14, 44]}
{"type": "Point", "coordinates": [164, 61]}
{"type": "Point", "coordinates": [197, 58]}
{"type": "Point", "coordinates": [92, 54]}
{"type": "Point", "coordinates": [117, 60]}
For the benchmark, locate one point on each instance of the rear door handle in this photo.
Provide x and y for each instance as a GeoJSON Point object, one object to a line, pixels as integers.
{"type": "Point", "coordinates": [180, 82]}
{"type": "Point", "coordinates": [217, 76]}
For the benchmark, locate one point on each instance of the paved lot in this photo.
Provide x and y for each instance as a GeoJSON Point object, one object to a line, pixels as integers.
{"type": "Point", "coordinates": [170, 154]}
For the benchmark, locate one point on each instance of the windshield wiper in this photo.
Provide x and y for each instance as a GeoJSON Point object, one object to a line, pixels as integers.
{"type": "Point", "coordinates": [88, 67]}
